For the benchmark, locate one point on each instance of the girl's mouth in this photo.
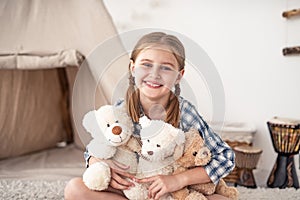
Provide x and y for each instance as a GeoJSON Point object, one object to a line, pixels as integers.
{"type": "Point", "coordinates": [152, 84]}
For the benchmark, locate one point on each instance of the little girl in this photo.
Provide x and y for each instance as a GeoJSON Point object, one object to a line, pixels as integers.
{"type": "Point", "coordinates": [156, 67]}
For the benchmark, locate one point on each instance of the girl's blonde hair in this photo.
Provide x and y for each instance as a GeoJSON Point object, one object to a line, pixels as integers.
{"type": "Point", "coordinates": [133, 97]}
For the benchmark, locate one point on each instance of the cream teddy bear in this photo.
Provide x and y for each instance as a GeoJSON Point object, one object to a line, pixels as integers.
{"type": "Point", "coordinates": [162, 144]}
{"type": "Point", "coordinates": [111, 130]}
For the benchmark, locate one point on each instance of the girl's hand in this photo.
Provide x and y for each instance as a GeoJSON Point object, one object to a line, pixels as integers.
{"type": "Point", "coordinates": [118, 174]}
{"type": "Point", "coordinates": [161, 184]}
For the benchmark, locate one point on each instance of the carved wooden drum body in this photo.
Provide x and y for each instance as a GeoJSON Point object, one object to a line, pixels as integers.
{"type": "Point", "coordinates": [246, 160]}
{"type": "Point", "coordinates": [285, 134]}
{"type": "Point", "coordinates": [247, 157]}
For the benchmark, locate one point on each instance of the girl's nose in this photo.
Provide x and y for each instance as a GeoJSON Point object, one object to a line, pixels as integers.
{"type": "Point", "coordinates": [155, 72]}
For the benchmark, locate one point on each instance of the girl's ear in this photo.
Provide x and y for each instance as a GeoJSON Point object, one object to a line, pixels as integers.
{"type": "Point", "coordinates": [132, 67]}
{"type": "Point", "coordinates": [179, 76]}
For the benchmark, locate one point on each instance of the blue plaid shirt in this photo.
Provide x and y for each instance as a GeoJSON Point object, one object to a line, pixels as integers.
{"type": "Point", "coordinates": [222, 161]}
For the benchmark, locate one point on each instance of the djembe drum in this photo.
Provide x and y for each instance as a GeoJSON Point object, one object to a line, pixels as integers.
{"type": "Point", "coordinates": [246, 160]}
{"type": "Point", "coordinates": [285, 134]}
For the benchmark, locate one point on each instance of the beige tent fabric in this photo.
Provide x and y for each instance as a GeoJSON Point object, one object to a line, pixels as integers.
{"type": "Point", "coordinates": [92, 90]}
{"type": "Point", "coordinates": [30, 108]}
{"type": "Point", "coordinates": [63, 58]}
{"type": "Point", "coordinates": [40, 36]}
{"type": "Point", "coordinates": [29, 26]}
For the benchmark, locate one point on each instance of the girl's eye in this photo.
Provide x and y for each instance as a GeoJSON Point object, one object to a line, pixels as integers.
{"type": "Point", "coordinates": [147, 64]}
{"type": "Point", "coordinates": [166, 68]}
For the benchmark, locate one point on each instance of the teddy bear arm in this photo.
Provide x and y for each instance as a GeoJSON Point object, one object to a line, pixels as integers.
{"type": "Point", "coordinates": [195, 195]}
{"type": "Point", "coordinates": [224, 190]}
{"type": "Point", "coordinates": [139, 191]}
{"type": "Point", "coordinates": [100, 149]}
{"type": "Point", "coordinates": [97, 176]}
{"type": "Point", "coordinates": [206, 188]}
{"type": "Point", "coordinates": [180, 194]}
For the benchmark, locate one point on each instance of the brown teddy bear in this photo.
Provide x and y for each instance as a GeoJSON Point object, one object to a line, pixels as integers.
{"type": "Point", "coordinates": [196, 154]}
{"type": "Point", "coordinates": [224, 190]}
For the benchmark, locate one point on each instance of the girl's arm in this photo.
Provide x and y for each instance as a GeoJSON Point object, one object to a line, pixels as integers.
{"type": "Point", "coordinates": [222, 160]}
{"type": "Point", "coordinates": [193, 176]}
{"type": "Point", "coordinates": [223, 157]}
{"type": "Point", "coordinates": [162, 184]}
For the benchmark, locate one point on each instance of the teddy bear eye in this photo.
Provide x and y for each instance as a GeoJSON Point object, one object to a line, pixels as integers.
{"type": "Point", "coordinates": [117, 121]}
{"type": "Point", "coordinates": [148, 140]}
{"type": "Point", "coordinates": [158, 145]}
{"type": "Point", "coordinates": [195, 153]}
{"type": "Point", "coordinates": [108, 125]}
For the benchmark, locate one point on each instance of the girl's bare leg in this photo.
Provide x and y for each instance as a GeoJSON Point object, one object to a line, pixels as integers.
{"type": "Point", "coordinates": [75, 189]}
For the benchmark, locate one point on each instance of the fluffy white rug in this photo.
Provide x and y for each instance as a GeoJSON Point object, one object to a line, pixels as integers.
{"type": "Point", "coordinates": [269, 193]}
{"type": "Point", "coordinates": [32, 189]}
{"type": "Point", "coordinates": [37, 189]}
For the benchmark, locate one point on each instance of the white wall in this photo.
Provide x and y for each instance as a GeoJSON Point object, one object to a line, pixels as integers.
{"type": "Point", "coordinates": [244, 39]}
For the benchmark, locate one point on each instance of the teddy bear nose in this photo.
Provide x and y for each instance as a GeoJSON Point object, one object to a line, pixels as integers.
{"type": "Point", "coordinates": [117, 130]}
{"type": "Point", "coordinates": [150, 153]}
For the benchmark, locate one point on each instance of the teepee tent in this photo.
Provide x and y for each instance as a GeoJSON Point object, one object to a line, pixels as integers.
{"type": "Point", "coordinates": [43, 45]}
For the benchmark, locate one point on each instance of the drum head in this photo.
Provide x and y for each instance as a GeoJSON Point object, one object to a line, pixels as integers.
{"type": "Point", "coordinates": [247, 149]}
{"type": "Point", "coordinates": [285, 121]}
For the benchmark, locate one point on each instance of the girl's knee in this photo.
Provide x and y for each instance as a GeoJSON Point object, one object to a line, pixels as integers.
{"type": "Point", "coordinates": [73, 188]}
{"type": "Point", "coordinates": [76, 189]}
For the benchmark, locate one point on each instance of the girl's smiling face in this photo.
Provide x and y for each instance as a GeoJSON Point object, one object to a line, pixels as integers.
{"type": "Point", "coordinates": [156, 71]}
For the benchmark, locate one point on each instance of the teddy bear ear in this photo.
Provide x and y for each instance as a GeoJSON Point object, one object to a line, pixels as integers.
{"type": "Point", "coordinates": [180, 138]}
{"type": "Point", "coordinates": [203, 156]}
{"type": "Point", "coordinates": [89, 122]}
{"type": "Point", "coordinates": [144, 121]}
{"type": "Point", "coordinates": [178, 152]}
{"type": "Point", "coordinates": [193, 135]}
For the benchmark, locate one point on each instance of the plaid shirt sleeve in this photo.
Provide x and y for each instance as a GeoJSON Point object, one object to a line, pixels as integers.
{"type": "Point", "coordinates": [87, 157]}
{"type": "Point", "coordinates": [222, 161]}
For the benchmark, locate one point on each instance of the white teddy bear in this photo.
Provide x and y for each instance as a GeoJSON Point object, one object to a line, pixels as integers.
{"type": "Point", "coordinates": [162, 144]}
{"type": "Point", "coordinates": [111, 129]}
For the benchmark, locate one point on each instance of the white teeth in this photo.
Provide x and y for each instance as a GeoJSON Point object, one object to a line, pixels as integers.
{"type": "Point", "coordinates": [152, 84]}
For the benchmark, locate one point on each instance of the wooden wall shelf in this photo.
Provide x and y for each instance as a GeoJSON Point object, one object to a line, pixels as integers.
{"type": "Point", "coordinates": [291, 13]}
{"type": "Point", "coordinates": [291, 51]}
